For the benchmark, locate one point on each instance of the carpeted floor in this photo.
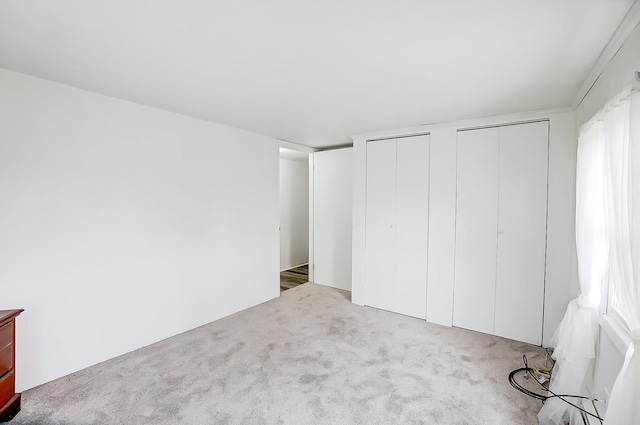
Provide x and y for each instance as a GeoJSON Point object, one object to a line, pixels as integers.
{"type": "Point", "coordinates": [307, 357]}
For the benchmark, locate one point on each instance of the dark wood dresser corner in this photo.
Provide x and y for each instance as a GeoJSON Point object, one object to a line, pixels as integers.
{"type": "Point", "coordinates": [9, 400]}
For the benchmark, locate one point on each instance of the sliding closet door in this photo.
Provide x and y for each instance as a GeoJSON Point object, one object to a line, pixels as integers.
{"type": "Point", "coordinates": [476, 229]}
{"type": "Point", "coordinates": [412, 216]}
{"type": "Point", "coordinates": [522, 231]}
{"type": "Point", "coordinates": [380, 224]}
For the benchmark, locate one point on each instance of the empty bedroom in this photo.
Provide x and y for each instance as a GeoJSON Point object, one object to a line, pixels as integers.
{"type": "Point", "coordinates": [337, 212]}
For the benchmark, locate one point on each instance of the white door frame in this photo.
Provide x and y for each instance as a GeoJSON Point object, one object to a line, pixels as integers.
{"type": "Point", "coordinates": [308, 150]}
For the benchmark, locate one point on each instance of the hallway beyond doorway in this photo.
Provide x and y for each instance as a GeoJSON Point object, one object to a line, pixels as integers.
{"type": "Point", "coordinates": [293, 277]}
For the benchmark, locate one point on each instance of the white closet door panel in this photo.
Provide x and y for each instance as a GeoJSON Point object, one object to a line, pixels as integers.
{"type": "Point", "coordinates": [412, 217]}
{"type": "Point", "coordinates": [380, 224]}
{"type": "Point", "coordinates": [522, 232]}
{"type": "Point", "coordinates": [476, 229]}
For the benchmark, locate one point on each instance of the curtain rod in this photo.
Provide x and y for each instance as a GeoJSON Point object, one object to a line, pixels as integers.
{"type": "Point", "coordinates": [630, 88]}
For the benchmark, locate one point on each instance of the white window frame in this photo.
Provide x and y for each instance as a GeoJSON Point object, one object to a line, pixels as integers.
{"type": "Point", "coordinates": [611, 321]}
{"type": "Point", "coordinates": [615, 326]}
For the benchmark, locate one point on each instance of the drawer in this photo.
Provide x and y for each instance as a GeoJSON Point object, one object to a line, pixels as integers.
{"type": "Point", "coordinates": [7, 387]}
{"type": "Point", "coordinates": [6, 359]}
{"type": "Point", "coordinates": [6, 334]}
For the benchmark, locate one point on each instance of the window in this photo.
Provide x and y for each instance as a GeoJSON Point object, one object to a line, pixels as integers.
{"type": "Point", "coordinates": [614, 309]}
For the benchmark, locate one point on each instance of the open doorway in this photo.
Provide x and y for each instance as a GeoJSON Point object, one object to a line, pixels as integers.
{"type": "Point", "coordinates": [294, 218]}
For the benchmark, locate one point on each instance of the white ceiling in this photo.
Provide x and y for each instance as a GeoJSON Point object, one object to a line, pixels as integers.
{"type": "Point", "coordinates": [315, 72]}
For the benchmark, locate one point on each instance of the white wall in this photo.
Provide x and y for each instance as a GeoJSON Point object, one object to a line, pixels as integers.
{"type": "Point", "coordinates": [332, 177]}
{"type": "Point", "coordinates": [560, 221]}
{"type": "Point", "coordinates": [121, 225]}
{"type": "Point", "coordinates": [616, 75]}
{"type": "Point", "coordinates": [294, 212]}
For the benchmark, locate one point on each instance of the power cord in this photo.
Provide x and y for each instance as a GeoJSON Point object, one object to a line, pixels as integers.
{"type": "Point", "coordinates": [527, 370]}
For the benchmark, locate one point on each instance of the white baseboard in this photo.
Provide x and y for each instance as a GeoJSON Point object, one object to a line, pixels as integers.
{"type": "Point", "coordinates": [293, 267]}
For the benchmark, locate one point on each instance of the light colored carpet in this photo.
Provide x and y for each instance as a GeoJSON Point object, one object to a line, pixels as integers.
{"type": "Point", "coordinates": [308, 357]}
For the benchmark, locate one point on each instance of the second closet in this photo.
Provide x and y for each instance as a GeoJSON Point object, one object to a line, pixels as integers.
{"type": "Point", "coordinates": [501, 223]}
{"type": "Point", "coordinates": [397, 208]}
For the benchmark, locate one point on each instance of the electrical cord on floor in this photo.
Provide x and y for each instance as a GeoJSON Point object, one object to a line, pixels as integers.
{"type": "Point", "coordinates": [528, 370]}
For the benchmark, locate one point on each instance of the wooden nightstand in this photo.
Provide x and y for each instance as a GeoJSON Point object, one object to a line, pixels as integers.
{"type": "Point", "coordinates": [9, 400]}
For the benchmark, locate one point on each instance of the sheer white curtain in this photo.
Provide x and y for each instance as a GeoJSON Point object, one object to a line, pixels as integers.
{"type": "Point", "coordinates": [576, 336]}
{"type": "Point", "coordinates": [622, 212]}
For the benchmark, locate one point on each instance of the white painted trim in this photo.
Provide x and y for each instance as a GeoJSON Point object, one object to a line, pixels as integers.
{"type": "Point", "coordinates": [295, 146]}
{"type": "Point", "coordinates": [626, 27]}
{"type": "Point", "coordinates": [278, 255]}
{"type": "Point", "coordinates": [616, 331]}
{"type": "Point", "coordinates": [293, 267]}
{"type": "Point", "coordinates": [311, 223]}
{"type": "Point", "coordinates": [292, 155]}
{"type": "Point", "coordinates": [469, 123]}
{"type": "Point", "coordinates": [335, 148]}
